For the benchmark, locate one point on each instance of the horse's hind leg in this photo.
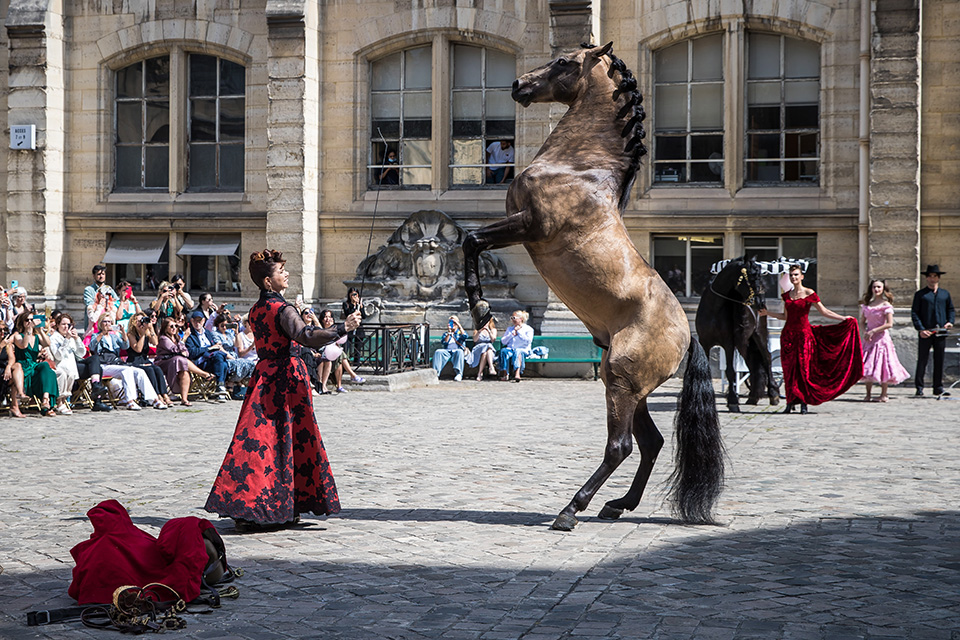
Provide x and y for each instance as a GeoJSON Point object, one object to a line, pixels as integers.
{"type": "Point", "coordinates": [512, 230]}
{"type": "Point", "coordinates": [621, 404]}
{"type": "Point", "coordinates": [733, 398]}
{"type": "Point", "coordinates": [649, 441]}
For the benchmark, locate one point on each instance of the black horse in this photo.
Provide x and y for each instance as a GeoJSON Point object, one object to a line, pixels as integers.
{"type": "Point", "coordinates": [727, 317]}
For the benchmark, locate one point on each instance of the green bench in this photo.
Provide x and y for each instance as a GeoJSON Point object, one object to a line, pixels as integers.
{"type": "Point", "coordinates": [563, 350]}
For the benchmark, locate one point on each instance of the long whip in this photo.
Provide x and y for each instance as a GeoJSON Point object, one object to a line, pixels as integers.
{"type": "Point", "coordinates": [376, 203]}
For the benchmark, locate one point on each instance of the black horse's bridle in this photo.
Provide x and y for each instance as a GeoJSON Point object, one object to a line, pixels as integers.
{"type": "Point", "coordinates": [743, 276]}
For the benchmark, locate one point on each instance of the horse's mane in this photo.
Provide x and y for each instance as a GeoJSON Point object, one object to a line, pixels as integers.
{"type": "Point", "coordinates": [633, 131]}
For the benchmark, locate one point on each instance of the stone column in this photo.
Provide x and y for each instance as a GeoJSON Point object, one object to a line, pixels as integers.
{"type": "Point", "coordinates": [894, 210]}
{"type": "Point", "coordinates": [34, 217]}
{"type": "Point", "coordinates": [293, 138]}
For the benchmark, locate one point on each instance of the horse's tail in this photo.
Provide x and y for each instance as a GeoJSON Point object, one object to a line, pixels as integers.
{"type": "Point", "coordinates": [697, 478]}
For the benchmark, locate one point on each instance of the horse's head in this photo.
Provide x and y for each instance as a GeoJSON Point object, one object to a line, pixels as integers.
{"type": "Point", "coordinates": [563, 79]}
{"type": "Point", "coordinates": [751, 283]}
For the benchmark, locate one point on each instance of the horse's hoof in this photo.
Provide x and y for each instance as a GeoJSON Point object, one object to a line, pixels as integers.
{"type": "Point", "coordinates": [752, 401]}
{"type": "Point", "coordinates": [733, 408]}
{"type": "Point", "coordinates": [564, 522]}
{"type": "Point", "coordinates": [774, 401]}
{"type": "Point", "coordinates": [609, 513]}
{"type": "Point", "coordinates": [481, 314]}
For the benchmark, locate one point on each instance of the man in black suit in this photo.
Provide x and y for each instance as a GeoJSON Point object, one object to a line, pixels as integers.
{"type": "Point", "coordinates": [932, 314]}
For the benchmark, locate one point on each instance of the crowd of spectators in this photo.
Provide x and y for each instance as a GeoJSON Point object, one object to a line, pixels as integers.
{"type": "Point", "coordinates": [149, 354]}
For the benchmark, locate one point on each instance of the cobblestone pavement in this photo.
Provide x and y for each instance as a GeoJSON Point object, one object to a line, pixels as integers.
{"type": "Point", "coordinates": [840, 524]}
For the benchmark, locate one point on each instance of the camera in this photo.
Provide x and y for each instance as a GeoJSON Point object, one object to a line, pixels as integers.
{"type": "Point", "coordinates": [144, 320]}
{"type": "Point", "coordinates": [230, 325]}
{"type": "Point", "coordinates": [178, 285]}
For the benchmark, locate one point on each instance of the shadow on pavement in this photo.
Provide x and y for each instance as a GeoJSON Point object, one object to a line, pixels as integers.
{"type": "Point", "coordinates": [828, 578]}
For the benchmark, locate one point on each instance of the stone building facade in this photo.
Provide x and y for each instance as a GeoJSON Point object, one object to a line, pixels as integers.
{"type": "Point", "coordinates": [181, 136]}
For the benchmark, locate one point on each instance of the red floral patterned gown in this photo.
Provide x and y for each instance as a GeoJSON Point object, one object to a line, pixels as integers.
{"type": "Point", "coordinates": [276, 466]}
{"type": "Point", "coordinates": [821, 362]}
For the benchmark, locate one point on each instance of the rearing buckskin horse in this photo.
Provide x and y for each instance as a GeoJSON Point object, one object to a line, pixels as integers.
{"type": "Point", "coordinates": [565, 208]}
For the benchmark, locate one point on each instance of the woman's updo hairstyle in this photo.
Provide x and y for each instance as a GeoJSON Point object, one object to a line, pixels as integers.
{"type": "Point", "coordinates": [262, 264]}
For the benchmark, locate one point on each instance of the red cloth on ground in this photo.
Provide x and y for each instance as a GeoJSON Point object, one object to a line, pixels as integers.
{"type": "Point", "coordinates": [119, 554]}
{"type": "Point", "coordinates": [819, 363]}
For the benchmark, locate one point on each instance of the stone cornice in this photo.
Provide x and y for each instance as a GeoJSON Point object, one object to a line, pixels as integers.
{"type": "Point", "coordinates": [27, 18]}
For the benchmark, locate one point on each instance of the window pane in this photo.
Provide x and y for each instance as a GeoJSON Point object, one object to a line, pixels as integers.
{"type": "Point", "coordinates": [802, 117]}
{"type": "Point", "coordinates": [385, 106]}
{"type": "Point", "coordinates": [157, 167]}
{"type": "Point", "coordinates": [416, 105]}
{"type": "Point", "coordinates": [466, 66]}
{"type": "Point", "coordinates": [671, 63]}
{"type": "Point", "coordinates": [129, 165]}
{"type": "Point", "coordinates": [231, 119]}
{"type": "Point", "coordinates": [706, 106]}
{"type": "Point", "coordinates": [801, 58]}
{"type": "Point", "coordinates": [671, 108]}
{"type": "Point", "coordinates": [763, 171]}
{"type": "Point", "coordinates": [130, 81]}
{"type": "Point", "coordinates": [203, 119]}
{"type": "Point", "coordinates": [129, 125]}
{"type": "Point", "coordinates": [467, 114]}
{"type": "Point", "coordinates": [232, 79]}
{"type": "Point", "coordinates": [670, 172]}
{"type": "Point", "coordinates": [763, 118]}
{"type": "Point", "coordinates": [202, 273]}
{"type": "Point", "coordinates": [158, 122]}
{"type": "Point", "coordinates": [801, 92]}
{"type": "Point", "coordinates": [671, 147]}
{"type": "Point", "coordinates": [418, 68]}
{"type": "Point", "coordinates": [416, 152]}
{"type": "Point", "coordinates": [702, 258]}
{"type": "Point", "coordinates": [766, 145]}
{"type": "Point", "coordinates": [704, 147]}
{"type": "Point", "coordinates": [390, 129]}
{"type": "Point", "coordinates": [203, 166]}
{"type": "Point", "coordinates": [203, 75]}
{"type": "Point", "coordinates": [468, 152]}
{"type": "Point", "coordinates": [158, 76]}
{"type": "Point", "coordinates": [501, 129]}
{"type": "Point", "coordinates": [706, 172]}
{"type": "Point", "coordinates": [501, 69]}
{"type": "Point", "coordinates": [763, 93]}
{"type": "Point", "coordinates": [500, 105]}
{"type": "Point", "coordinates": [231, 166]}
{"type": "Point", "coordinates": [764, 56]}
{"type": "Point", "coordinates": [386, 73]}
{"type": "Point", "coordinates": [708, 58]}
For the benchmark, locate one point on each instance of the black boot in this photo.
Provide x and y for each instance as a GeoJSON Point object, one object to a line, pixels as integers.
{"type": "Point", "coordinates": [100, 405]}
{"type": "Point", "coordinates": [98, 391]}
{"type": "Point", "coordinates": [803, 408]}
{"type": "Point", "coordinates": [789, 408]}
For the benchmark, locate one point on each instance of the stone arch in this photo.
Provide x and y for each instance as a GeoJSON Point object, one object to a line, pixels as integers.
{"type": "Point", "coordinates": [150, 38]}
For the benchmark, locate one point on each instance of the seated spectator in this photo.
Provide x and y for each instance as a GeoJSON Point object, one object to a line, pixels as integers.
{"type": "Point", "coordinates": [19, 301]}
{"type": "Point", "coordinates": [181, 295]}
{"type": "Point", "coordinates": [239, 369]}
{"type": "Point", "coordinates": [246, 349]}
{"type": "Point", "coordinates": [104, 306]}
{"type": "Point", "coordinates": [107, 344]}
{"type": "Point", "coordinates": [7, 316]}
{"type": "Point", "coordinates": [516, 342]}
{"type": "Point", "coordinates": [127, 305]}
{"type": "Point", "coordinates": [13, 375]}
{"type": "Point", "coordinates": [67, 351]}
{"type": "Point", "coordinates": [207, 352]}
{"type": "Point", "coordinates": [332, 357]}
{"type": "Point", "coordinates": [453, 348]}
{"type": "Point", "coordinates": [483, 350]}
{"type": "Point", "coordinates": [167, 304]}
{"type": "Point", "coordinates": [141, 336]}
{"type": "Point", "coordinates": [312, 357]}
{"type": "Point", "coordinates": [30, 351]}
{"type": "Point", "coordinates": [172, 359]}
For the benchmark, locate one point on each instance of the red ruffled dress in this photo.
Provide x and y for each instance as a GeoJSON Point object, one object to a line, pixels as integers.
{"type": "Point", "coordinates": [819, 362]}
{"type": "Point", "coordinates": [276, 466]}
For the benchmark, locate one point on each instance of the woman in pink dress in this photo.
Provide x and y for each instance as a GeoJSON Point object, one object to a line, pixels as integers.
{"type": "Point", "coordinates": [880, 363]}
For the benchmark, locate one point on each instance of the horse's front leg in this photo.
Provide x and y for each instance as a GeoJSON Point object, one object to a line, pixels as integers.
{"type": "Point", "coordinates": [621, 404]}
{"type": "Point", "coordinates": [733, 398]}
{"type": "Point", "coordinates": [513, 229]}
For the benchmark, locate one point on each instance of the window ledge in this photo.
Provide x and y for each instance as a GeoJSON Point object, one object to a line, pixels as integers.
{"type": "Point", "coordinates": [164, 197]}
{"type": "Point", "coordinates": [450, 195]}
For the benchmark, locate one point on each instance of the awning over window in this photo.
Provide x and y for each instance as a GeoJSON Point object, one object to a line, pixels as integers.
{"type": "Point", "coordinates": [197, 244]}
{"type": "Point", "coordinates": [134, 248]}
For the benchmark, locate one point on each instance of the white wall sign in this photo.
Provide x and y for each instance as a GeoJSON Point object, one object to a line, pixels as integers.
{"type": "Point", "coordinates": [23, 136]}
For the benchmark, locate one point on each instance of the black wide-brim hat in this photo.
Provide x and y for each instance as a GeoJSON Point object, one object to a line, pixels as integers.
{"type": "Point", "coordinates": [931, 269]}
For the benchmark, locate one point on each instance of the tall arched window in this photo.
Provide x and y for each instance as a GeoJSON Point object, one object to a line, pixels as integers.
{"type": "Point", "coordinates": [212, 125]}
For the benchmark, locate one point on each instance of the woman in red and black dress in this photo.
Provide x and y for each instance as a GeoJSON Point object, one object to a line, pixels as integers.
{"type": "Point", "coordinates": [276, 466]}
{"type": "Point", "coordinates": [819, 363]}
